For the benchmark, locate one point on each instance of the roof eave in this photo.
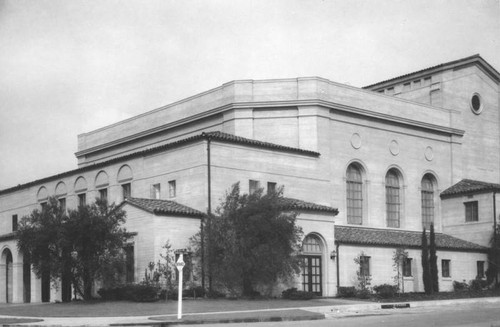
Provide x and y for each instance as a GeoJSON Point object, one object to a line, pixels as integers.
{"type": "Point", "coordinates": [456, 64]}
{"type": "Point", "coordinates": [412, 246]}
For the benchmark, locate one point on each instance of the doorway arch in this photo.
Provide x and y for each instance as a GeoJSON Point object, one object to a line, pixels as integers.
{"type": "Point", "coordinates": [8, 285]}
{"type": "Point", "coordinates": [312, 264]}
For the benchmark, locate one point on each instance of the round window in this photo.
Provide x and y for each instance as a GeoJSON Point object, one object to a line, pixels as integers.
{"type": "Point", "coordinates": [476, 104]}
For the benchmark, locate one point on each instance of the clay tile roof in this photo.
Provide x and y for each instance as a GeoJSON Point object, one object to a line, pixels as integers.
{"type": "Point", "coordinates": [467, 186]}
{"type": "Point", "coordinates": [217, 136]}
{"type": "Point", "coordinates": [397, 238]}
{"type": "Point", "coordinates": [8, 236]}
{"type": "Point", "coordinates": [163, 207]}
{"type": "Point", "coordinates": [230, 138]}
{"type": "Point", "coordinates": [294, 204]}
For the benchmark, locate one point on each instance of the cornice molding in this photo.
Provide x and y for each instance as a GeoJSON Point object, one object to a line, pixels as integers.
{"type": "Point", "coordinates": [271, 104]}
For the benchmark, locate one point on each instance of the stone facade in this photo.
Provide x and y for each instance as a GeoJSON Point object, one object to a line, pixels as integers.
{"type": "Point", "coordinates": [402, 140]}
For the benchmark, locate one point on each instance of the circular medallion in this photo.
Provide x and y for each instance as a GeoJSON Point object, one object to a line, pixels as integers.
{"type": "Point", "coordinates": [429, 153]}
{"type": "Point", "coordinates": [356, 141]}
{"type": "Point", "coordinates": [394, 148]}
{"type": "Point", "coordinates": [476, 103]}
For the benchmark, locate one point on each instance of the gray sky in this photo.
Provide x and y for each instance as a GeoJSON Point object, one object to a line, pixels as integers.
{"type": "Point", "coordinates": [69, 67]}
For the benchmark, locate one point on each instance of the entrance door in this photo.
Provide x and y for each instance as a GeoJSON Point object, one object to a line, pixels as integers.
{"type": "Point", "coordinates": [312, 278]}
{"type": "Point", "coordinates": [311, 274]}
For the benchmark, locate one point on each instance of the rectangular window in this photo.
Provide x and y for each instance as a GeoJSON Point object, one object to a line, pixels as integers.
{"type": "Point", "coordinates": [103, 194]}
{"type": "Point", "coordinates": [427, 199]}
{"type": "Point", "coordinates": [172, 192]}
{"type": "Point", "coordinates": [62, 204]}
{"type": "Point", "coordinates": [364, 266]}
{"type": "Point", "coordinates": [14, 223]}
{"type": "Point", "coordinates": [393, 206]}
{"type": "Point", "coordinates": [155, 191]}
{"type": "Point", "coordinates": [126, 190]}
{"type": "Point", "coordinates": [82, 199]}
{"type": "Point", "coordinates": [271, 187]}
{"type": "Point", "coordinates": [406, 87]}
{"type": "Point", "coordinates": [445, 268]}
{"type": "Point", "coordinates": [471, 211]}
{"type": "Point", "coordinates": [407, 267]}
{"type": "Point", "coordinates": [354, 202]}
{"type": "Point", "coordinates": [427, 81]}
{"type": "Point", "coordinates": [389, 91]}
{"type": "Point", "coordinates": [480, 269]}
{"type": "Point", "coordinates": [129, 263]}
{"type": "Point", "coordinates": [416, 83]}
{"type": "Point", "coordinates": [253, 186]}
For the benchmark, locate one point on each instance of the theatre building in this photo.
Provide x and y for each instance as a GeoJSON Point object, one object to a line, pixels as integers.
{"type": "Point", "coordinates": [366, 169]}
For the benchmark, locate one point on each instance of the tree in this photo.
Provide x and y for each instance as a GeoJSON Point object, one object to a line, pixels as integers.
{"type": "Point", "coordinates": [398, 258]}
{"type": "Point", "coordinates": [433, 261]}
{"type": "Point", "coordinates": [78, 246]}
{"type": "Point", "coordinates": [426, 271]}
{"type": "Point", "coordinates": [363, 275]}
{"type": "Point", "coordinates": [494, 257]}
{"type": "Point", "coordinates": [251, 242]}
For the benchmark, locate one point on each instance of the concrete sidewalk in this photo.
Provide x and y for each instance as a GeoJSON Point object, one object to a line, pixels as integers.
{"type": "Point", "coordinates": [277, 314]}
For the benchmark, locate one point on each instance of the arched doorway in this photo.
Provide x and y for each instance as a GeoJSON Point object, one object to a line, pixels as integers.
{"type": "Point", "coordinates": [312, 266]}
{"type": "Point", "coordinates": [9, 275]}
{"type": "Point", "coordinates": [26, 279]}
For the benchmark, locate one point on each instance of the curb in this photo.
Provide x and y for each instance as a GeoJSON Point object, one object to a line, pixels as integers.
{"type": "Point", "coordinates": [312, 316]}
{"type": "Point", "coordinates": [316, 316]}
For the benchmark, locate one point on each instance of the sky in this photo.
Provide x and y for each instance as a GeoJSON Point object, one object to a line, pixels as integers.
{"type": "Point", "coordinates": [70, 67]}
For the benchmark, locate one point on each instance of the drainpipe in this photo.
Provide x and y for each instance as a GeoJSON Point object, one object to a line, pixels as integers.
{"type": "Point", "coordinates": [494, 217]}
{"type": "Point", "coordinates": [209, 199]}
{"type": "Point", "coordinates": [338, 266]}
{"type": "Point", "coordinates": [495, 227]}
{"type": "Point", "coordinates": [209, 211]}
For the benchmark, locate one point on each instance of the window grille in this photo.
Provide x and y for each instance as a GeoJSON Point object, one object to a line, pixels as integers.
{"type": "Point", "coordinates": [393, 199]}
{"type": "Point", "coordinates": [354, 196]}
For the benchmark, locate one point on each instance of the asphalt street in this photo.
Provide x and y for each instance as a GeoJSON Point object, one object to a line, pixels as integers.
{"type": "Point", "coordinates": [460, 315]}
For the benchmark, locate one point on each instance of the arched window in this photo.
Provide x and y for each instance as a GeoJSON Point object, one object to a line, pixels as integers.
{"type": "Point", "coordinates": [427, 195]}
{"type": "Point", "coordinates": [393, 198]}
{"type": "Point", "coordinates": [311, 244]}
{"type": "Point", "coordinates": [354, 195]}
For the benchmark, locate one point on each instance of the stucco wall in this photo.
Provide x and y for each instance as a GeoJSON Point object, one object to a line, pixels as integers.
{"type": "Point", "coordinates": [463, 266]}
{"type": "Point", "coordinates": [479, 232]}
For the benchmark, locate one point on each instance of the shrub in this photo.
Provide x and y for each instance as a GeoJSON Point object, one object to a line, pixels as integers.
{"type": "Point", "coordinates": [346, 291]}
{"type": "Point", "coordinates": [477, 285]}
{"type": "Point", "coordinates": [460, 286]}
{"type": "Point", "coordinates": [143, 293]}
{"type": "Point", "coordinates": [111, 294]}
{"type": "Point", "coordinates": [215, 294]}
{"type": "Point", "coordinates": [194, 292]}
{"type": "Point", "coordinates": [131, 292]}
{"type": "Point", "coordinates": [294, 294]}
{"type": "Point", "coordinates": [363, 293]}
{"type": "Point", "coordinates": [385, 291]}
